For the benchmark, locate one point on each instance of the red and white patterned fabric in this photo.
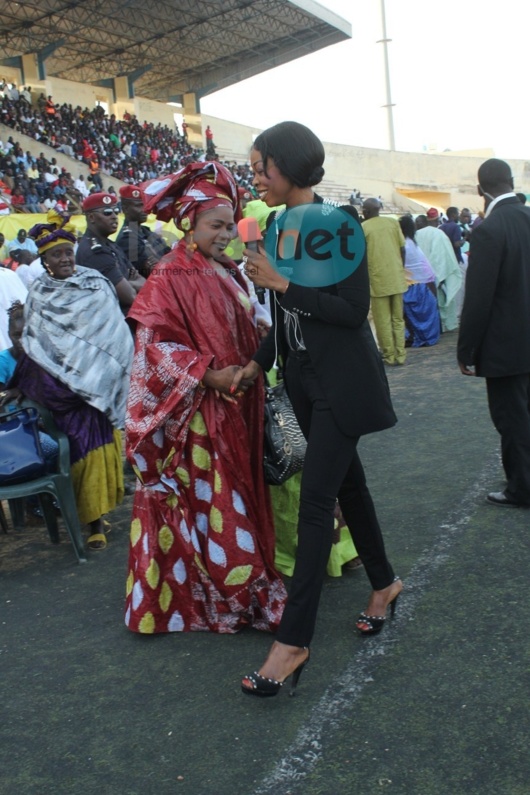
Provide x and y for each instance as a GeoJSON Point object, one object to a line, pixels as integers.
{"type": "Point", "coordinates": [202, 537]}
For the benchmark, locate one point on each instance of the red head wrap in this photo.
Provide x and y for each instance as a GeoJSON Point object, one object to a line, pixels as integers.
{"type": "Point", "coordinates": [193, 189]}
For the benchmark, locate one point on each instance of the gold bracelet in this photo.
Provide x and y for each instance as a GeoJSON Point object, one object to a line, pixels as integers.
{"type": "Point", "coordinates": [202, 385]}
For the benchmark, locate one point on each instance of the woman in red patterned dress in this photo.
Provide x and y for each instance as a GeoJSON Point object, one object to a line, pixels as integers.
{"type": "Point", "coordinates": [202, 538]}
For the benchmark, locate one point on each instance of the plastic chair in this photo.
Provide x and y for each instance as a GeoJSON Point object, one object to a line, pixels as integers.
{"type": "Point", "coordinates": [53, 484]}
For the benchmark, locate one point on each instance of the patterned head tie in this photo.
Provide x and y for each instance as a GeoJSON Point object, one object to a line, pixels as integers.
{"type": "Point", "coordinates": [195, 188]}
{"type": "Point", "coordinates": [56, 231]}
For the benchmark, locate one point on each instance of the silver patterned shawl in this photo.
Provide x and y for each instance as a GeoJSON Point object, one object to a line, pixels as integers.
{"type": "Point", "coordinates": [74, 329]}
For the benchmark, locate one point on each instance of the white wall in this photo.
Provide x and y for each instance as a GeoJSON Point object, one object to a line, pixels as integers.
{"type": "Point", "coordinates": [83, 94]}
{"type": "Point", "coordinates": [154, 112]}
{"type": "Point", "coordinates": [379, 172]}
{"type": "Point", "coordinates": [232, 141]}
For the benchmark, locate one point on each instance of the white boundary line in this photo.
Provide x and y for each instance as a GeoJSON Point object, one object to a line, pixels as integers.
{"type": "Point", "coordinates": [335, 706]}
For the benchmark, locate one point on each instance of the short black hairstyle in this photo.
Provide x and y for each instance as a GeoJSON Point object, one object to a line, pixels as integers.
{"type": "Point", "coordinates": [494, 173]}
{"type": "Point", "coordinates": [296, 151]}
{"type": "Point", "coordinates": [408, 227]}
{"type": "Point", "coordinates": [451, 211]}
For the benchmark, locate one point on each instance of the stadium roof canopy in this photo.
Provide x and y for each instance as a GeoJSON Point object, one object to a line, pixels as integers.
{"type": "Point", "coordinates": [166, 48]}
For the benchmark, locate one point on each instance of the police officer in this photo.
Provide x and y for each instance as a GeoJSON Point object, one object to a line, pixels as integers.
{"type": "Point", "coordinates": [142, 247]}
{"type": "Point", "coordinates": [96, 251]}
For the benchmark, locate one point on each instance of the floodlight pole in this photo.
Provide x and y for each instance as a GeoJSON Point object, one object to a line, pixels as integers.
{"type": "Point", "coordinates": [389, 105]}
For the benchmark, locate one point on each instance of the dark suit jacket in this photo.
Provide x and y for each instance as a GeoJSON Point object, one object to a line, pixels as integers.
{"type": "Point", "coordinates": [340, 344]}
{"type": "Point", "coordinates": [495, 324]}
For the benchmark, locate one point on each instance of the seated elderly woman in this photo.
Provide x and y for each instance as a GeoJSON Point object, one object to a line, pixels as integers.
{"type": "Point", "coordinates": [77, 360]}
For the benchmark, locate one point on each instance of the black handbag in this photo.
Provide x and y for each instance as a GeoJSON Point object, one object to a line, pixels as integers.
{"type": "Point", "coordinates": [284, 444]}
{"type": "Point", "coordinates": [21, 455]}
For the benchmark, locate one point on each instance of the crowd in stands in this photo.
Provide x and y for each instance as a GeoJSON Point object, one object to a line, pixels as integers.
{"type": "Point", "coordinates": [125, 149]}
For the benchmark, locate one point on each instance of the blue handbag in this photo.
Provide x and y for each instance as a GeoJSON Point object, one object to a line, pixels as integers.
{"type": "Point", "coordinates": [21, 455]}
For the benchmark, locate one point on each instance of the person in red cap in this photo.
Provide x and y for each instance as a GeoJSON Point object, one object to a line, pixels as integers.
{"type": "Point", "coordinates": [96, 251]}
{"type": "Point", "coordinates": [433, 217]}
{"type": "Point", "coordinates": [142, 247]}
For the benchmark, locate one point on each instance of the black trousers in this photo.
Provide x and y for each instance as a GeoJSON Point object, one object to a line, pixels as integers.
{"type": "Point", "coordinates": [509, 405]}
{"type": "Point", "coordinates": [332, 469]}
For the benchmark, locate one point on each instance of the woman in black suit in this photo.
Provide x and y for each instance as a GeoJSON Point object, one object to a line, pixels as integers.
{"type": "Point", "coordinates": [337, 385]}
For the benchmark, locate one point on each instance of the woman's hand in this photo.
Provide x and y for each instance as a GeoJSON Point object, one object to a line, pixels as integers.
{"type": "Point", "coordinates": [261, 273]}
{"type": "Point", "coordinates": [245, 377]}
{"type": "Point", "coordinates": [10, 396]}
{"type": "Point", "coordinates": [227, 383]}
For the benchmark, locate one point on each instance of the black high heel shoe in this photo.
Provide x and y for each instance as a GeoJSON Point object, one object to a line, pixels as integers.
{"type": "Point", "coordinates": [256, 685]}
{"type": "Point", "coordinates": [371, 625]}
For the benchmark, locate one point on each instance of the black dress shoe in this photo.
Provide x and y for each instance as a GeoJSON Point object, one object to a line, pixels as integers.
{"type": "Point", "coordinates": [500, 498]}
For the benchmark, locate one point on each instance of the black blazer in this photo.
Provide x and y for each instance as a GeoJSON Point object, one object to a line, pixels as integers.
{"type": "Point", "coordinates": [340, 344]}
{"type": "Point", "coordinates": [495, 324]}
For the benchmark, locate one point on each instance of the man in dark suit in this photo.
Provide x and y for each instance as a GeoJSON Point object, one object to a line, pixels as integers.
{"type": "Point", "coordinates": [494, 339]}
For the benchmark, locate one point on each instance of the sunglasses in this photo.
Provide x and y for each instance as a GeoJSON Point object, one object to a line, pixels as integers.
{"type": "Point", "coordinates": [108, 211]}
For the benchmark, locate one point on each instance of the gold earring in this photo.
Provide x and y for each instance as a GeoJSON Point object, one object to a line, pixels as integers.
{"type": "Point", "coordinates": [191, 246]}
